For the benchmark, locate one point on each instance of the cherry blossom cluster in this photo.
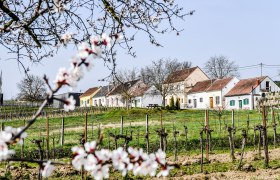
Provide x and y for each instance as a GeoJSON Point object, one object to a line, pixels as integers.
{"type": "Point", "coordinates": [97, 162]}
{"type": "Point", "coordinates": [86, 52]}
{"type": "Point", "coordinates": [6, 137]}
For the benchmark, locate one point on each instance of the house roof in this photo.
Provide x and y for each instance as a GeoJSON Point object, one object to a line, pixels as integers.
{"type": "Point", "coordinates": [122, 87]}
{"type": "Point", "coordinates": [245, 86]}
{"type": "Point", "coordinates": [104, 90]}
{"type": "Point", "coordinates": [180, 75]}
{"type": "Point", "coordinates": [201, 86]}
{"type": "Point", "coordinates": [139, 91]}
{"type": "Point", "coordinates": [89, 92]}
{"type": "Point", "coordinates": [219, 84]}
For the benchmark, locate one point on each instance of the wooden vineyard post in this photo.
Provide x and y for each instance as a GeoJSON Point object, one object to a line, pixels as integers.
{"type": "Point", "coordinates": [2, 125]}
{"type": "Point", "coordinates": [147, 133]}
{"type": "Point", "coordinates": [99, 131]}
{"type": "Point", "coordinates": [53, 144]}
{"type": "Point", "coordinates": [244, 134]}
{"type": "Point", "coordinates": [274, 129]}
{"type": "Point", "coordinates": [207, 134]}
{"type": "Point", "coordinates": [175, 142]}
{"type": "Point", "coordinates": [255, 138]}
{"type": "Point", "coordinates": [260, 140]}
{"type": "Point", "coordinates": [233, 128]}
{"type": "Point", "coordinates": [248, 123]}
{"type": "Point", "coordinates": [138, 143]}
{"type": "Point", "coordinates": [231, 143]}
{"type": "Point", "coordinates": [109, 140]}
{"type": "Point", "coordinates": [62, 132]}
{"type": "Point", "coordinates": [85, 128]}
{"type": "Point", "coordinates": [265, 145]}
{"type": "Point", "coordinates": [48, 137]}
{"type": "Point", "coordinates": [201, 150]}
{"type": "Point", "coordinates": [22, 146]}
{"type": "Point", "coordinates": [186, 136]}
{"type": "Point", "coordinates": [121, 130]}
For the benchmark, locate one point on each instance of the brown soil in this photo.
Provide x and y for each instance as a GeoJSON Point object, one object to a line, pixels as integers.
{"type": "Point", "coordinates": [68, 171]}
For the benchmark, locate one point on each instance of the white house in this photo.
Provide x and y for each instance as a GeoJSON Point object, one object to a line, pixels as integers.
{"type": "Point", "coordinates": [180, 82]}
{"type": "Point", "coordinates": [121, 95]}
{"type": "Point", "coordinates": [211, 93]}
{"type": "Point", "coordinates": [247, 92]}
{"type": "Point", "coordinates": [145, 96]}
{"type": "Point", "coordinates": [100, 98]}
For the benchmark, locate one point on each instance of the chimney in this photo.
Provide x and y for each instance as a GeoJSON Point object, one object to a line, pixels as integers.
{"type": "Point", "coordinates": [258, 81]}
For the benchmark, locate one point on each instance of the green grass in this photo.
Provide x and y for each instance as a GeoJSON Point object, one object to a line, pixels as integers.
{"type": "Point", "coordinates": [193, 119]}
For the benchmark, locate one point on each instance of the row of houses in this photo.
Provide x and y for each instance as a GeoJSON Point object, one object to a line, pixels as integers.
{"type": "Point", "coordinates": [191, 87]}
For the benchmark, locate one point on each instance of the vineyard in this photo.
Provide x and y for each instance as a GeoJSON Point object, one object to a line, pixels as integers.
{"type": "Point", "coordinates": [193, 138]}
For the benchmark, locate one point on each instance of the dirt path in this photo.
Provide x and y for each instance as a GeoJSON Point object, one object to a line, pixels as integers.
{"type": "Point", "coordinates": [249, 156]}
{"type": "Point", "coordinates": [110, 125]}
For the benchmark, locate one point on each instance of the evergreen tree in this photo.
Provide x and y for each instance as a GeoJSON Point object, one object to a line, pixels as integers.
{"type": "Point", "coordinates": [172, 105]}
{"type": "Point", "coordinates": [177, 105]}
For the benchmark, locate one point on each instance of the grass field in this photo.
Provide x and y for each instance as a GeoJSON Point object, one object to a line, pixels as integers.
{"type": "Point", "coordinates": [134, 121]}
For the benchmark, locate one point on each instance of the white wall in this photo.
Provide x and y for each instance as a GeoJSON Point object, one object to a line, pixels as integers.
{"type": "Point", "coordinates": [101, 101]}
{"type": "Point", "coordinates": [200, 105]}
{"type": "Point", "coordinates": [116, 101]}
{"type": "Point", "coordinates": [237, 99]}
{"type": "Point", "coordinates": [151, 96]}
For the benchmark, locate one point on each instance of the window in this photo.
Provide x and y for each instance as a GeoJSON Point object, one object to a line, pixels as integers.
{"type": "Point", "coordinates": [246, 101]}
{"type": "Point", "coordinates": [182, 100]}
{"type": "Point", "coordinates": [267, 85]}
{"type": "Point", "coordinates": [217, 100]}
{"type": "Point", "coordinates": [117, 101]}
{"type": "Point", "coordinates": [232, 103]}
{"type": "Point", "coordinates": [88, 101]}
{"type": "Point", "coordinates": [190, 101]}
{"type": "Point", "coordinates": [200, 99]}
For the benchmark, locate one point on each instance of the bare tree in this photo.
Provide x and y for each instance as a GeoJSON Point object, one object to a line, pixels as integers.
{"type": "Point", "coordinates": [35, 29]}
{"type": "Point", "coordinates": [219, 67]}
{"type": "Point", "coordinates": [31, 89]}
{"type": "Point", "coordinates": [125, 75]}
{"type": "Point", "coordinates": [156, 74]}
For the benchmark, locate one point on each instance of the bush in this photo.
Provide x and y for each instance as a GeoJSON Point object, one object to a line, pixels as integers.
{"type": "Point", "coordinates": [177, 105]}
{"type": "Point", "coordinates": [171, 104]}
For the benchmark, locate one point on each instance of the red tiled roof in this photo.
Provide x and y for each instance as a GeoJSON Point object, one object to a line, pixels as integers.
{"type": "Point", "coordinates": [89, 92]}
{"type": "Point", "coordinates": [201, 86]}
{"type": "Point", "coordinates": [180, 75]}
{"type": "Point", "coordinates": [245, 86]}
{"type": "Point", "coordinates": [219, 84]}
{"type": "Point", "coordinates": [122, 87]}
{"type": "Point", "coordinates": [139, 91]}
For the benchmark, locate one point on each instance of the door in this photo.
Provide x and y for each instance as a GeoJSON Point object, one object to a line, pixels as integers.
{"type": "Point", "coordinates": [211, 102]}
{"type": "Point", "coordinates": [194, 103]}
{"type": "Point", "coordinates": [240, 104]}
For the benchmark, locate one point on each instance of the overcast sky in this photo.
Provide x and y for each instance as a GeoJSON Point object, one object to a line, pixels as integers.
{"type": "Point", "coordinates": [247, 32]}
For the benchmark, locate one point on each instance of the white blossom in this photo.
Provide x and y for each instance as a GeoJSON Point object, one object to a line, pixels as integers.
{"type": "Point", "coordinates": [165, 171]}
{"type": "Point", "coordinates": [69, 104]}
{"type": "Point", "coordinates": [161, 156]}
{"type": "Point", "coordinates": [121, 161]}
{"type": "Point", "coordinates": [66, 37]}
{"type": "Point", "coordinates": [90, 163]}
{"type": "Point", "coordinates": [101, 172]}
{"type": "Point", "coordinates": [80, 157]}
{"type": "Point", "coordinates": [4, 151]}
{"type": "Point", "coordinates": [90, 146]}
{"type": "Point", "coordinates": [48, 169]}
{"type": "Point", "coordinates": [106, 40]}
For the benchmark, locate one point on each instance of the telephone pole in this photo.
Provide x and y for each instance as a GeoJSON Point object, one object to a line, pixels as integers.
{"type": "Point", "coordinates": [261, 64]}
